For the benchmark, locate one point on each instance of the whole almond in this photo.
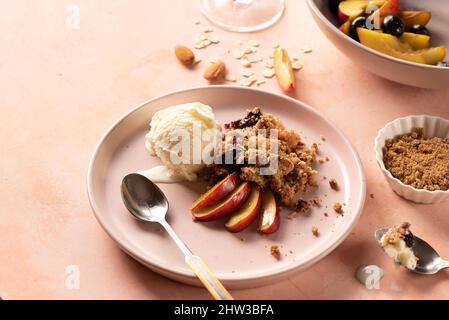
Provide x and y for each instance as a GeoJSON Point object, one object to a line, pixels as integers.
{"type": "Point", "coordinates": [215, 71]}
{"type": "Point", "coordinates": [185, 55]}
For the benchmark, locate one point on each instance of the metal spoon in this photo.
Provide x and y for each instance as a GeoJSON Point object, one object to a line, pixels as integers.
{"type": "Point", "coordinates": [429, 261]}
{"type": "Point", "coordinates": [147, 202]}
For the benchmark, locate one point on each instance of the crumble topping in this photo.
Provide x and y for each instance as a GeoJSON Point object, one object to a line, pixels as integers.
{"type": "Point", "coordinates": [394, 235]}
{"type": "Point", "coordinates": [315, 231]}
{"type": "Point", "coordinates": [417, 161]}
{"type": "Point", "coordinates": [294, 172]}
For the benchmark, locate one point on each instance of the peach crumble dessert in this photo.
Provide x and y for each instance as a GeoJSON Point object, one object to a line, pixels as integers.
{"type": "Point", "coordinates": [397, 243]}
{"type": "Point", "coordinates": [420, 162]}
{"type": "Point", "coordinates": [294, 172]}
{"type": "Point", "coordinates": [253, 174]}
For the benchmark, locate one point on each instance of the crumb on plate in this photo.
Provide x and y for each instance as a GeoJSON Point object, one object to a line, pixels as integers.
{"type": "Point", "coordinates": [302, 206]}
{"type": "Point", "coordinates": [275, 252]}
{"type": "Point", "coordinates": [316, 202]}
{"type": "Point", "coordinates": [333, 184]}
{"type": "Point", "coordinates": [338, 207]}
{"type": "Point", "coordinates": [292, 215]}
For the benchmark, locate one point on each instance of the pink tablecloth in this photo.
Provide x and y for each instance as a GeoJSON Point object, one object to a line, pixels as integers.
{"type": "Point", "coordinates": [63, 86]}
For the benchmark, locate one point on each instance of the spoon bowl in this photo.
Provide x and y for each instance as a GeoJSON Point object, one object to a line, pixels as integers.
{"type": "Point", "coordinates": [429, 261]}
{"type": "Point", "coordinates": [143, 198]}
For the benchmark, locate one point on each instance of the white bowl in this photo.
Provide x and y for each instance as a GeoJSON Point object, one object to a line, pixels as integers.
{"type": "Point", "coordinates": [433, 127]}
{"type": "Point", "coordinates": [405, 72]}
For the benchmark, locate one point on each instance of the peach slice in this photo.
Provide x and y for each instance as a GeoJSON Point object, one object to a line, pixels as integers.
{"type": "Point", "coordinates": [284, 70]}
{"type": "Point", "coordinates": [410, 18]}
{"type": "Point", "coordinates": [243, 217]}
{"type": "Point", "coordinates": [392, 46]}
{"type": "Point", "coordinates": [374, 38]}
{"type": "Point", "coordinates": [390, 7]}
{"type": "Point", "coordinates": [217, 192]}
{"type": "Point", "coordinates": [225, 206]}
{"type": "Point", "coordinates": [349, 10]}
{"type": "Point", "coordinates": [345, 27]}
{"type": "Point", "coordinates": [269, 214]}
{"type": "Point", "coordinates": [416, 41]}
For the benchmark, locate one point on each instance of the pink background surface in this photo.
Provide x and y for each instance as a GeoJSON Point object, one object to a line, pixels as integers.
{"type": "Point", "coordinates": [61, 89]}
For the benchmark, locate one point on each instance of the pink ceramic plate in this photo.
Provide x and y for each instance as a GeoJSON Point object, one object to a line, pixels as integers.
{"type": "Point", "coordinates": [239, 260]}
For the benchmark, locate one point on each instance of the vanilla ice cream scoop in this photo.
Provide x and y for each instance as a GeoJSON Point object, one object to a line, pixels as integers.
{"type": "Point", "coordinates": [181, 136]}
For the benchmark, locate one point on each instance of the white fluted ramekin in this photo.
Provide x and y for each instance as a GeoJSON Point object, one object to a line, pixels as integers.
{"type": "Point", "coordinates": [433, 127]}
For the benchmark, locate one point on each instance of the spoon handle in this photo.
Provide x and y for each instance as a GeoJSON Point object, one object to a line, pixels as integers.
{"type": "Point", "coordinates": [201, 270]}
{"type": "Point", "coordinates": [209, 280]}
{"type": "Point", "coordinates": [444, 264]}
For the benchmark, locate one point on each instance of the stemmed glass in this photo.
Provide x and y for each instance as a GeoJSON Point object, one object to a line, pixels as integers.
{"type": "Point", "coordinates": [243, 15]}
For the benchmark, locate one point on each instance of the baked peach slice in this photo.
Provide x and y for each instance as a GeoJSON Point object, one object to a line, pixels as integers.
{"type": "Point", "coordinates": [249, 211]}
{"type": "Point", "coordinates": [284, 70]}
{"type": "Point", "coordinates": [269, 220]}
{"type": "Point", "coordinates": [411, 18]}
{"type": "Point", "coordinates": [217, 192]}
{"type": "Point", "coordinates": [225, 206]}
